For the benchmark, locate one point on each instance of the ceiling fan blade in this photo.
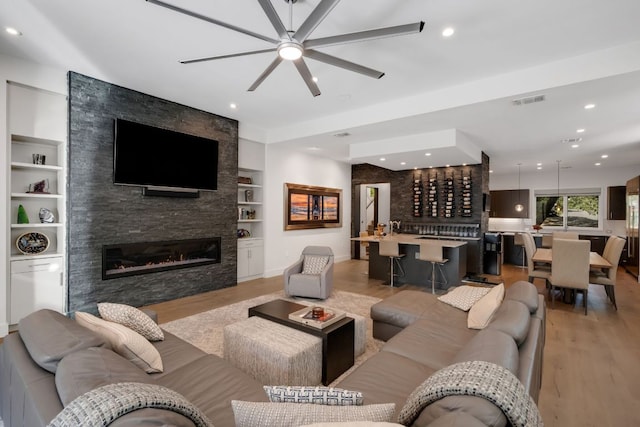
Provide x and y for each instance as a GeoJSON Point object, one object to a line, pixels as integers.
{"type": "Point", "coordinates": [317, 16]}
{"type": "Point", "coordinates": [269, 10]}
{"type": "Point", "coordinates": [347, 65]}
{"type": "Point", "coordinates": [232, 55]}
{"type": "Point", "coordinates": [265, 73]}
{"type": "Point", "coordinates": [306, 76]}
{"type": "Point", "coordinates": [213, 21]}
{"type": "Point", "coordinates": [398, 30]}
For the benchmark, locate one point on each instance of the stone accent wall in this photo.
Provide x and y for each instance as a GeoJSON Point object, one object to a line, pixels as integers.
{"type": "Point", "coordinates": [100, 212]}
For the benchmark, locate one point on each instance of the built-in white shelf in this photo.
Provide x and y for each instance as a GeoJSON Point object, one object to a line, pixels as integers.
{"type": "Point", "coordinates": [39, 256]}
{"type": "Point", "coordinates": [31, 166]}
{"type": "Point", "coordinates": [35, 196]}
{"type": "Point", "coordinates": [38, 224]}
{"type": "Point", "coordinates": [249, 220]}
{"type": "Point", "coordinates": [249, 186]}
{"type": "Point", "coordinates": [34, 140]}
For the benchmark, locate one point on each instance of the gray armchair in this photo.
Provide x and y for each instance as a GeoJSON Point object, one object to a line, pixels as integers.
{"type": "Point", "coordinates": [312, 275]}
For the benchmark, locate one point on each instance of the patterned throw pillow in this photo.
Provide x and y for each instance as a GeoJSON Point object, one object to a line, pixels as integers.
{"type": "Point", "coordinates": [267, 414]}
{"type": "Point", "coordinates": [463, 297]}
{"type": "Point", "coordinates": [316, 395]}
{"type": "Point", "coordinates": [481, 313]}
{"type": "Point", "coordinates": [127, 343]}
{"type": "Point", "coordinates": [314, 264]}
{"type": "Point", "coordinates": [132, 318]}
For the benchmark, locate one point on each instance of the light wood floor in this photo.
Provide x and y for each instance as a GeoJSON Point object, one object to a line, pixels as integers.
{"type": "Point", "coordinates": [591, 363]}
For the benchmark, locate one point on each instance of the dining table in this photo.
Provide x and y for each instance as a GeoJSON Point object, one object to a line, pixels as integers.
{"type": "Point", "coordinates": [545, 255]}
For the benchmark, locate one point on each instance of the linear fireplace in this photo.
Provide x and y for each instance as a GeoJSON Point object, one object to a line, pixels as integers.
{"type": "Point", "coordinates": [129, 259]}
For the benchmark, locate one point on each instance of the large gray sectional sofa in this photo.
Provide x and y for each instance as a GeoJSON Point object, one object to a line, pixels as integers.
{"type": "Point", "coordinates": [423, 335]}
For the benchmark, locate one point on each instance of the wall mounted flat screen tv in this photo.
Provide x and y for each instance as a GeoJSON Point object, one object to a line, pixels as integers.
{"type": "Point", "coordinates": [150, 156]}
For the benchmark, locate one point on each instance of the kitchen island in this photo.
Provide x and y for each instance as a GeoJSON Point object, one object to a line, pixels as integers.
{"type": "Point", "coordinates": [418, 272]}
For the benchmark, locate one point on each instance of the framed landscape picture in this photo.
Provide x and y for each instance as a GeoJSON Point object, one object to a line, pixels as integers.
{"type": "Point", "coordinates": [307, 206]}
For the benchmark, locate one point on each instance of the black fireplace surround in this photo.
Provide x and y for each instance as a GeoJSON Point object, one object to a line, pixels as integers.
{"type": "Point", "coordinates": [130, 259]}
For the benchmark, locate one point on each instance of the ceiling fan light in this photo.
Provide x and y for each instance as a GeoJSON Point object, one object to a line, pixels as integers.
{"type": "Point", "coordinates": [290, 51]}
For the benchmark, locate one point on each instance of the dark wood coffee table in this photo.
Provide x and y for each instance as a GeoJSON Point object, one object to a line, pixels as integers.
{"type": "Point", "coordinates": [337, 338]}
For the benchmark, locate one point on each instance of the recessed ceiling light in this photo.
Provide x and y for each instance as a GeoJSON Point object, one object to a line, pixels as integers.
{"type": "Point", "coordinates": [382, 159]}
{"type": "Point", "coordinates": [589, 106]}
{"type": "Point", "coordinates": [447, 166]}
{"type": "Point", "coordinates": [490, 170]}
{"type": "Point", "coordinates": [430, 167]}
{"type": "Point", "coordinates": [315, 79]}
{"type": "Point", "coordinates": [427, 154]}
{"type": "Point", "coordinates": [538, 164]}
{"type": "Point", "coordinates": [575, 145]}
{"type": "Point", "coordinates": [604, 156]}
{"type": "Point", "coordinates": [233, 106]}
{"type": "Point", "coordinates": [597, 164]}
{"type": "Point", "coordinates": [448, 32]}
{"type": "Point", "coordinates": [403, 163]}
{"type": "Point", "coordinates": [539, 167]}
{"type": "Point", "coordinates": [13, 31]}
{"type": "Point", "coordinates": [415, 168]}
{"type": "Point", "coordinates": [580, 130]}
{"type": "Point", "coordinates": [464, 164]}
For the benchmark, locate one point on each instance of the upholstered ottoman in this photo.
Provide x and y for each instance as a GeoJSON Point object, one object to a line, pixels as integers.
{"type": "Point", "coordinates": [272, 353]}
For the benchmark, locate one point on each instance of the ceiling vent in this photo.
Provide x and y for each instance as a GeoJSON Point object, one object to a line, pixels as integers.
{"type": "Point", "coordinates": [341, 134]}
{"type": "Point", "coordinates": [571, 140]}
{"type": "Point", "coordinates": [528, 100]}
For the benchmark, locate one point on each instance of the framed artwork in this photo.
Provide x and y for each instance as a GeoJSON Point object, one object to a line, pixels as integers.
{"type": "Point", "coordinates": [307, 206]}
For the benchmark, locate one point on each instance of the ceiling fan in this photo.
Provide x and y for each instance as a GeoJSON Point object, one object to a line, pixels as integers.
{"type": "Point", "coordinates": [294, 45]}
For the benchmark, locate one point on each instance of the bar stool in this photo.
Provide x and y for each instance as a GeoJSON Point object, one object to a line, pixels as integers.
{"type": "Point", "coordinates": [433, 254]}
{"type": "Point", "coordinates": [391, 249]}
{"type": "Point", "coordinates": [519, 241]}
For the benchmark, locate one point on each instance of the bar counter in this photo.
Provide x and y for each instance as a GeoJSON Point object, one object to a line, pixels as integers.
{"type": "Point", "coordinates": [418, 272]}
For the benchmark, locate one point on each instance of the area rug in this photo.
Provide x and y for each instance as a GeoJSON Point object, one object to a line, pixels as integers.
{"type": "Point", "coordinates": [205, 330]}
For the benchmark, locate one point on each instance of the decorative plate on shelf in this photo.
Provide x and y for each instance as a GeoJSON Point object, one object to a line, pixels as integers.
{"type": "Point", "coordinates": [32, 243]}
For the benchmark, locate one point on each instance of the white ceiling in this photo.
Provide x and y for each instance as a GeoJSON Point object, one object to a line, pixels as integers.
{"type": "Point", "coordinates": [451, 97]}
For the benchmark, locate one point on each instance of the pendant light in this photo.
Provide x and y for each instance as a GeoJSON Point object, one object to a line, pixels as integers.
{"type": "Point", "coordinates": [519, 206]}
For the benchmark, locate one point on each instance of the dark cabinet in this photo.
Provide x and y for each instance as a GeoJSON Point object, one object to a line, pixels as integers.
{"type": "Point", "coordinates": [616, 206]}
{"type": "Point", "coordinates": [503, 204]}
{"type": "Point", "coordinates": [597, 242]}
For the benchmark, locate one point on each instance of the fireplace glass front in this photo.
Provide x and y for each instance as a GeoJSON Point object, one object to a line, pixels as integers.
{"type": "Point", "coordinates": [129, 259]}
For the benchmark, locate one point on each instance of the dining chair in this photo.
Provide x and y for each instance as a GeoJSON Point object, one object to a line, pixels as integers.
{"type": "Point", "coordinates": [547, 241]}
{"type": "Point", "coordinates": [570, 267]}
{"type": "Point", "coordinates": [568, 235]}
{"type": "Point", "coordinates": [518, 241]}
{"type": "Point", "coordinates": [612, 252]}
{"type": "Point", "coordinates": [535, 271]}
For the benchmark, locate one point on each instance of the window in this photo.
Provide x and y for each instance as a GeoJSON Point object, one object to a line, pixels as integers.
{"type": "Point", "coordinates": [582, 210]}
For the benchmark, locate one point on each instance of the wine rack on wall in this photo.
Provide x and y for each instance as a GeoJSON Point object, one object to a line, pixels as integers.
{"type": "Point", "coordinates": [417, 195]}
{"type": "Point", "coordinates": [449, 204]}
{"type": "Point", "coordinates": [432, 195]}
{"type": "Point", "coordinates": [466, 209]}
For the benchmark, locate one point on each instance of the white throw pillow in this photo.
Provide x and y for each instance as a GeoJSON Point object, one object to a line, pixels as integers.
{"type": "Point", "coordinates": [463, 297]}
{"type": "Point", "coordinates": [267, 414]}
{"type": "Point", "coordinates": [132, 318]}
{"type": "Point", "coordinates": [482, 311]}
{"type": "Point", "coordinates": [127, 343]}
{"type": "Point", "coordinates": [314, 264]}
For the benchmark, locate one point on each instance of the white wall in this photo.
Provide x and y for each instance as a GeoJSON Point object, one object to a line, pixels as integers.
{"type": "Point", "coordinates": [282, 248]}
{"type": "Point", "coordinates": [30, 74]}
{"type": "Point", "coordinates": [569, 179]}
